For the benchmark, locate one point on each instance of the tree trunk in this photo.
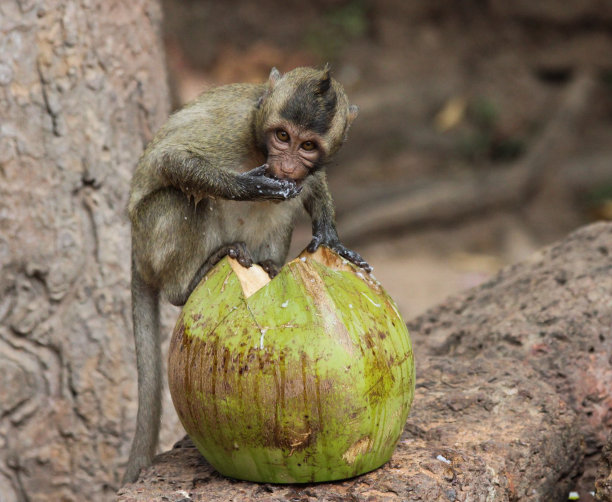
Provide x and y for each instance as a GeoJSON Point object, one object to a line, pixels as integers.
{"type": "Point", "coordinates": [82, 87]}
{"type": "Point", "coordinates": [604, 477]}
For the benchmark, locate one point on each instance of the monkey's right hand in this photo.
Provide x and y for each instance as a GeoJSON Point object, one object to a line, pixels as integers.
{"type": "Point", "coordinates": [256, 185]}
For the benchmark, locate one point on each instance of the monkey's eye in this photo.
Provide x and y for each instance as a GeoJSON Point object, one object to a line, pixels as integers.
{"type": "Point", "coordinates": [282, 135]}
{"type": "Point", "coordinates": [308, 145]}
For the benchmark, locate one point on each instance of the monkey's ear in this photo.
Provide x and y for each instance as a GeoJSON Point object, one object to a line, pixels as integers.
{"type": "Point", "coordinates": [274, 77]}
{"type": "Point", "coordinates": [353, 111]}
{"type": "Point", "coordinates": [325, 82]}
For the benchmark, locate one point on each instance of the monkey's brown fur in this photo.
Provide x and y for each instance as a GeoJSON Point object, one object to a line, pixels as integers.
{"type": "Point", "coordinates": [196, 197]}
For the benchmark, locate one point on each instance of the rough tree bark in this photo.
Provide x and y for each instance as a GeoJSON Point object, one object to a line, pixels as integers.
{"type": "Point", "coordinates": [82, 86]}
{"type": "Point", "coordinates": [514, 387]}
{"type": "Point", "coordinates": [604, 474]}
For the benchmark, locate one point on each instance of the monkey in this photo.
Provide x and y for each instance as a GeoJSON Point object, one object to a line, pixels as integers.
{"type": "Point", "coordinates": [195, 197]}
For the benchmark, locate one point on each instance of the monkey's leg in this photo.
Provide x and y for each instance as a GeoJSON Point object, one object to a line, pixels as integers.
{"type": "Point", "coordinates": [321, 209]}
{"type": "Point", "coordinates": [271, 254]}
{"type": "Point", "coordinates": [236, 250]}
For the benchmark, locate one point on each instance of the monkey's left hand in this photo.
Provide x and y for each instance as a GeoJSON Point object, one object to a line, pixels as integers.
{"type": "Point", "coordinates": [331, 240]}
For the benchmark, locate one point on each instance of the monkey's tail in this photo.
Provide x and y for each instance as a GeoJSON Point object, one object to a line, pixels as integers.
{"type": "Point", "coordinates": [145, 315]}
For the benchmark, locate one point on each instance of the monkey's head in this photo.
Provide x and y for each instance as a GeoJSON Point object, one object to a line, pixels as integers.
{"type": "Point", "coordinates": [301, 121]}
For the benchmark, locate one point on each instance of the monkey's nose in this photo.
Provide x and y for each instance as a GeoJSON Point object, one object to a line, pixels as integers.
{"type": "Point", "coordinates": [286, 170]}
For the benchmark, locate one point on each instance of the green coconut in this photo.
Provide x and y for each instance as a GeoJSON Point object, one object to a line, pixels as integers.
{"type": "Point", "coordinates": [307, 377]}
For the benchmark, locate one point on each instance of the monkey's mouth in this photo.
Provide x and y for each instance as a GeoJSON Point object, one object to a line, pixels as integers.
{"type": "Point", "coordinates": [297, 181]}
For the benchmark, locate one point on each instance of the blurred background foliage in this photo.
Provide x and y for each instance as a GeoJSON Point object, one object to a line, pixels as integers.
{"type": "Point", "coordinates": [485, 127]}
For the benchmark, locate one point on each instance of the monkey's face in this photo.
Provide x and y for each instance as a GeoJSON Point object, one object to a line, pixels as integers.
{"type": "Point", "coordinates": [293, 152]}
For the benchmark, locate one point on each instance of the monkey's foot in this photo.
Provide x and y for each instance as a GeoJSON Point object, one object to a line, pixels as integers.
{"type": "Point", "coordinates": [341, 249]}
{"type": "Point", "coordinates": [270, 267]}
{"type": "Point", "coordinates": [236, 250]}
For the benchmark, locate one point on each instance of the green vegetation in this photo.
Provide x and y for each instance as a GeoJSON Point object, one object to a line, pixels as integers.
{"type": "Point", "coordinates": [331, 33]}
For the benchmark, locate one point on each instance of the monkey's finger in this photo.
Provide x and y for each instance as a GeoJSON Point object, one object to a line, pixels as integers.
{"type": "Point", "coordinates": [294, 191]}
{"type": "Point", "coordinates": [365, 265]}
{"type": "Point", "coordinates": [289, 188]}
{"type": "Point", "coordinates": [360, 262]}
{"type": "Point", "coordinates": [244, 256]}
{"type": "Point", "coordinates": [315, 243]}
{"type": "Point", "coordinates": [258, 171]}
{"type": "Point", "coordinates": [269, 188]}
{"type": "Point", "coordinates": [245, 261]}
{"type": "Point", "coordinates": [239, 252]}
{"type": "Point", "coordinates": [271, 268]}
{"type": "Point", "coordinates": [353, 257]}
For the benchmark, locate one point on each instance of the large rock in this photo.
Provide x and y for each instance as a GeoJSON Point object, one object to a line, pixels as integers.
{"type": "Point", "coordinates": [513, 386]}
{"type": "Point", "coordinates": [554, 312]}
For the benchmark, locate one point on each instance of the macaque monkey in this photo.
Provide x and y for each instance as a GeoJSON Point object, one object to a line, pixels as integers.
{"type": "Point", "coordinates": [196, 197]}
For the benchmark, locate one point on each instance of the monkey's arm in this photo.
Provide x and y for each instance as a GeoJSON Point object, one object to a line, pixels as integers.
{"type": "Point", "coordinates": [196, 176]}
{"type": "Point", "coordinates": [319, 205]}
